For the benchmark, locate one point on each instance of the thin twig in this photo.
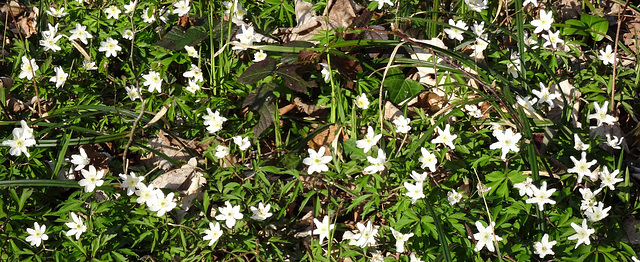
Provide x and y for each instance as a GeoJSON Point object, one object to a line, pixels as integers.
{"type": "Point", "coordinates": [144, 102]}
{"type": "Point", "coordinates": [615, 58]}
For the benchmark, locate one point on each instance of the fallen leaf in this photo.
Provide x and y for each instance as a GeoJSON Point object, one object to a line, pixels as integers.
{"type": "Point", "coordinates": [187, 181]}
{"type": "Point", "coordinates": [341, 13]}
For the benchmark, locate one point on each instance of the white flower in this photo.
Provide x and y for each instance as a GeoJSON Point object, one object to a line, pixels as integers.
{"type": "Point", "coordinates": [322, 228]}
{"type": "Point", "coordinates": [607, 56]}
{"type": "Point", "coordinates": [50, 42]}
{"type": "Point", "coordinates": [262, 212]}
{"type": "Point", "coordinates": [454, 197]}
{"type": "Point", "coordinates": [369, 140]}
{"type": "Point", "coordinates": [609, 179]}
{"type": "Point", "coordinates": [400, 239]}
{"type": "Point", "coordinates": [21, 140]}
{"type": "Point", "coordinates": [601, 115]}
{"type": "Point", "coordinates": [259, 56]}
{"type": "Point", "coordinates": [507, 141]}
{"type": "Point", "coordinates": [413, 258]}
{"type": "Point", "coordinates": [81, 160]}
{"type": "Point", "coordinates": [376, 256]}
{"type": "Point", "coordinates": [455, 32]}
{"type": "Point", "coordinates": [238, 11]}
{"type": "Point", "coordinates": [382, 2]}
{"type": "Point", "coordinates": [25, 130]}
{"type": "Point", "coordinates": [635, 259]}
{"type": "Point", "coordinates": [473, 111]}
{"type": "Point", "coordinates": [221, 151]}
{"type": "Point", "coordinates": [163, 14]}
{"type": "Point", "coordinates": [582, 233]}
{"type": "Point", "coordinates": [402, 124]}
{"type": "Point", "coordinates": [112, 12]}
{"type": "Point", "coordinates": [415, 192]}
{"type": "Point", "coordinates": [361, 101]}
{"type": "Point", "coordinates": [326, 72]}
{"type": "Point", "coordinates": [191, 51]}
{"type": "Point", "coordinates": [480, 45]}
{"type": "Point", "coordinates": [588, 202]}
{"type": "Point", "coordinates": [130, 182]}
{"type": "Point", "coordinates": [544, 247]}
{"type": "Point", "coordinates": [545, 96]}
{"type": "Point", "coordinates": [242, 142]}
{"type": "Point", "coordinates": [428, 159]}
{"type": "Point", "coordinates": [377, 164]}
{"type": "Point", "coordinates": [148, 16]}
{"type": "Point", "coordinates": [477, 5]}
{"type": "Point", "coordinates": [57, 12]}
{"type": "Point", "coordinates": [366, 236]}
{"type": "Point", "coordinates": [526, 187]}
{"type": "Point", "coordinates": [92, 179]}
{"type": "Point", "coordinates": [542, 196]}
{"type": "Point", "coordinates": [60, 77]}
{"type": "Point", "coordinates": [80, 32]}
{"type": "Point", "coordinates": [28, 68]}
{"type": "Point", "coordinates": [317, 161]}
{"type": "Point", "coordinates": [553, 39]}
{"type": "Point", "coordinates": [213, 121]}
{"type": "Point", "coordinates": [614, 142]}
{"type": "Point", "coordinates": [181, 7]}
{"type": "Point", "coordinates": [162, 204]}
{"type": "Point", "coordinates": [485, 236]}
{"type": "Point", "coordinates": [127, 34]}
{"type": "Point", "coordinates": [247, 37]}
{"type": "Point", "coordinates": [445, 137]}
{"type": "Point", "coordinates": [544, 23]}
{"type": "Point", "coordinates": [526, 103]}
{"type": "Point", "coordinates": [213, 233]}
{"type": "Point", "coordinates": [529, 41]}
{"type": "Point", "coordinates": [89, 65]}
{"type": "Point", "coordinates": [131, 7]}
{"type": "Point", "coordinates": [419, 177]}
{"type": "Point", "coordinates": [110, 47]}
{"type": "Point", "coordinates": [153, 81]}
{"type": "Point", "coordinates": [194, 73]}
{"type": "Point", "coordinates": [76, 227]}
{"type": "Point", "coordinates": [132, 92]}
{"type": "Point", "coordinates": [581, 167]}
{"type": "Point", "coordinates": [229, 214]}
{"type": "Point", "coordinates": [597, 213]}
{"type": "Point", "coordinates": [193, 86]}
{"type": "Point", "coordinates": [578, 143]}
{"type": "Point", "coordinates": [145, 194]}
{"type": "Point", "coordinates": [478, 29]}
{"type": "Point", "coordinates": [37, 235]}
{"type": "Point", "coordinates": [513, 67]}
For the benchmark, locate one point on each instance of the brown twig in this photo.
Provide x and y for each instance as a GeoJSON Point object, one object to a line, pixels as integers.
{"type": "Point", "coordinates": [615, 58]}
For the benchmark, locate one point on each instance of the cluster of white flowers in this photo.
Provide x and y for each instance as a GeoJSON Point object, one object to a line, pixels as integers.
{"type": "Point", "coordinates": [213, 121]}
{"type": "Point", "coordinates": [236, 7]}
{"type": "Point", "coordinates": [22, 138]}
{"type": "Point", "coordinates": [195, 78]}
{"type": "Point", "coordinates": [153, 197]}
{"type": "Point", "coordinates": [544, 24]}
{"type": "Point", "coordinates": [365, 236]}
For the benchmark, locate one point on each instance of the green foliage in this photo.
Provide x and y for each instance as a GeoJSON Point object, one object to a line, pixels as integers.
{"type": "Point", "coordinates": [307, 94]}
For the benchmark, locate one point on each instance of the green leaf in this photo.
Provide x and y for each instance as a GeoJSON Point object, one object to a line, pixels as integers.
{"type": "Point", "coordinates": [257, 71]}
{"type": "Point", "coordinates": [576, 28]}
{"type": "Point", "coordinates": [401, 88]}
{"type": "Point", "coordinates": [178, 37]}
{"type": "Point", "coordinates": [292, 80]}
{"type": "Point", "coordinates": [598, 24]}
